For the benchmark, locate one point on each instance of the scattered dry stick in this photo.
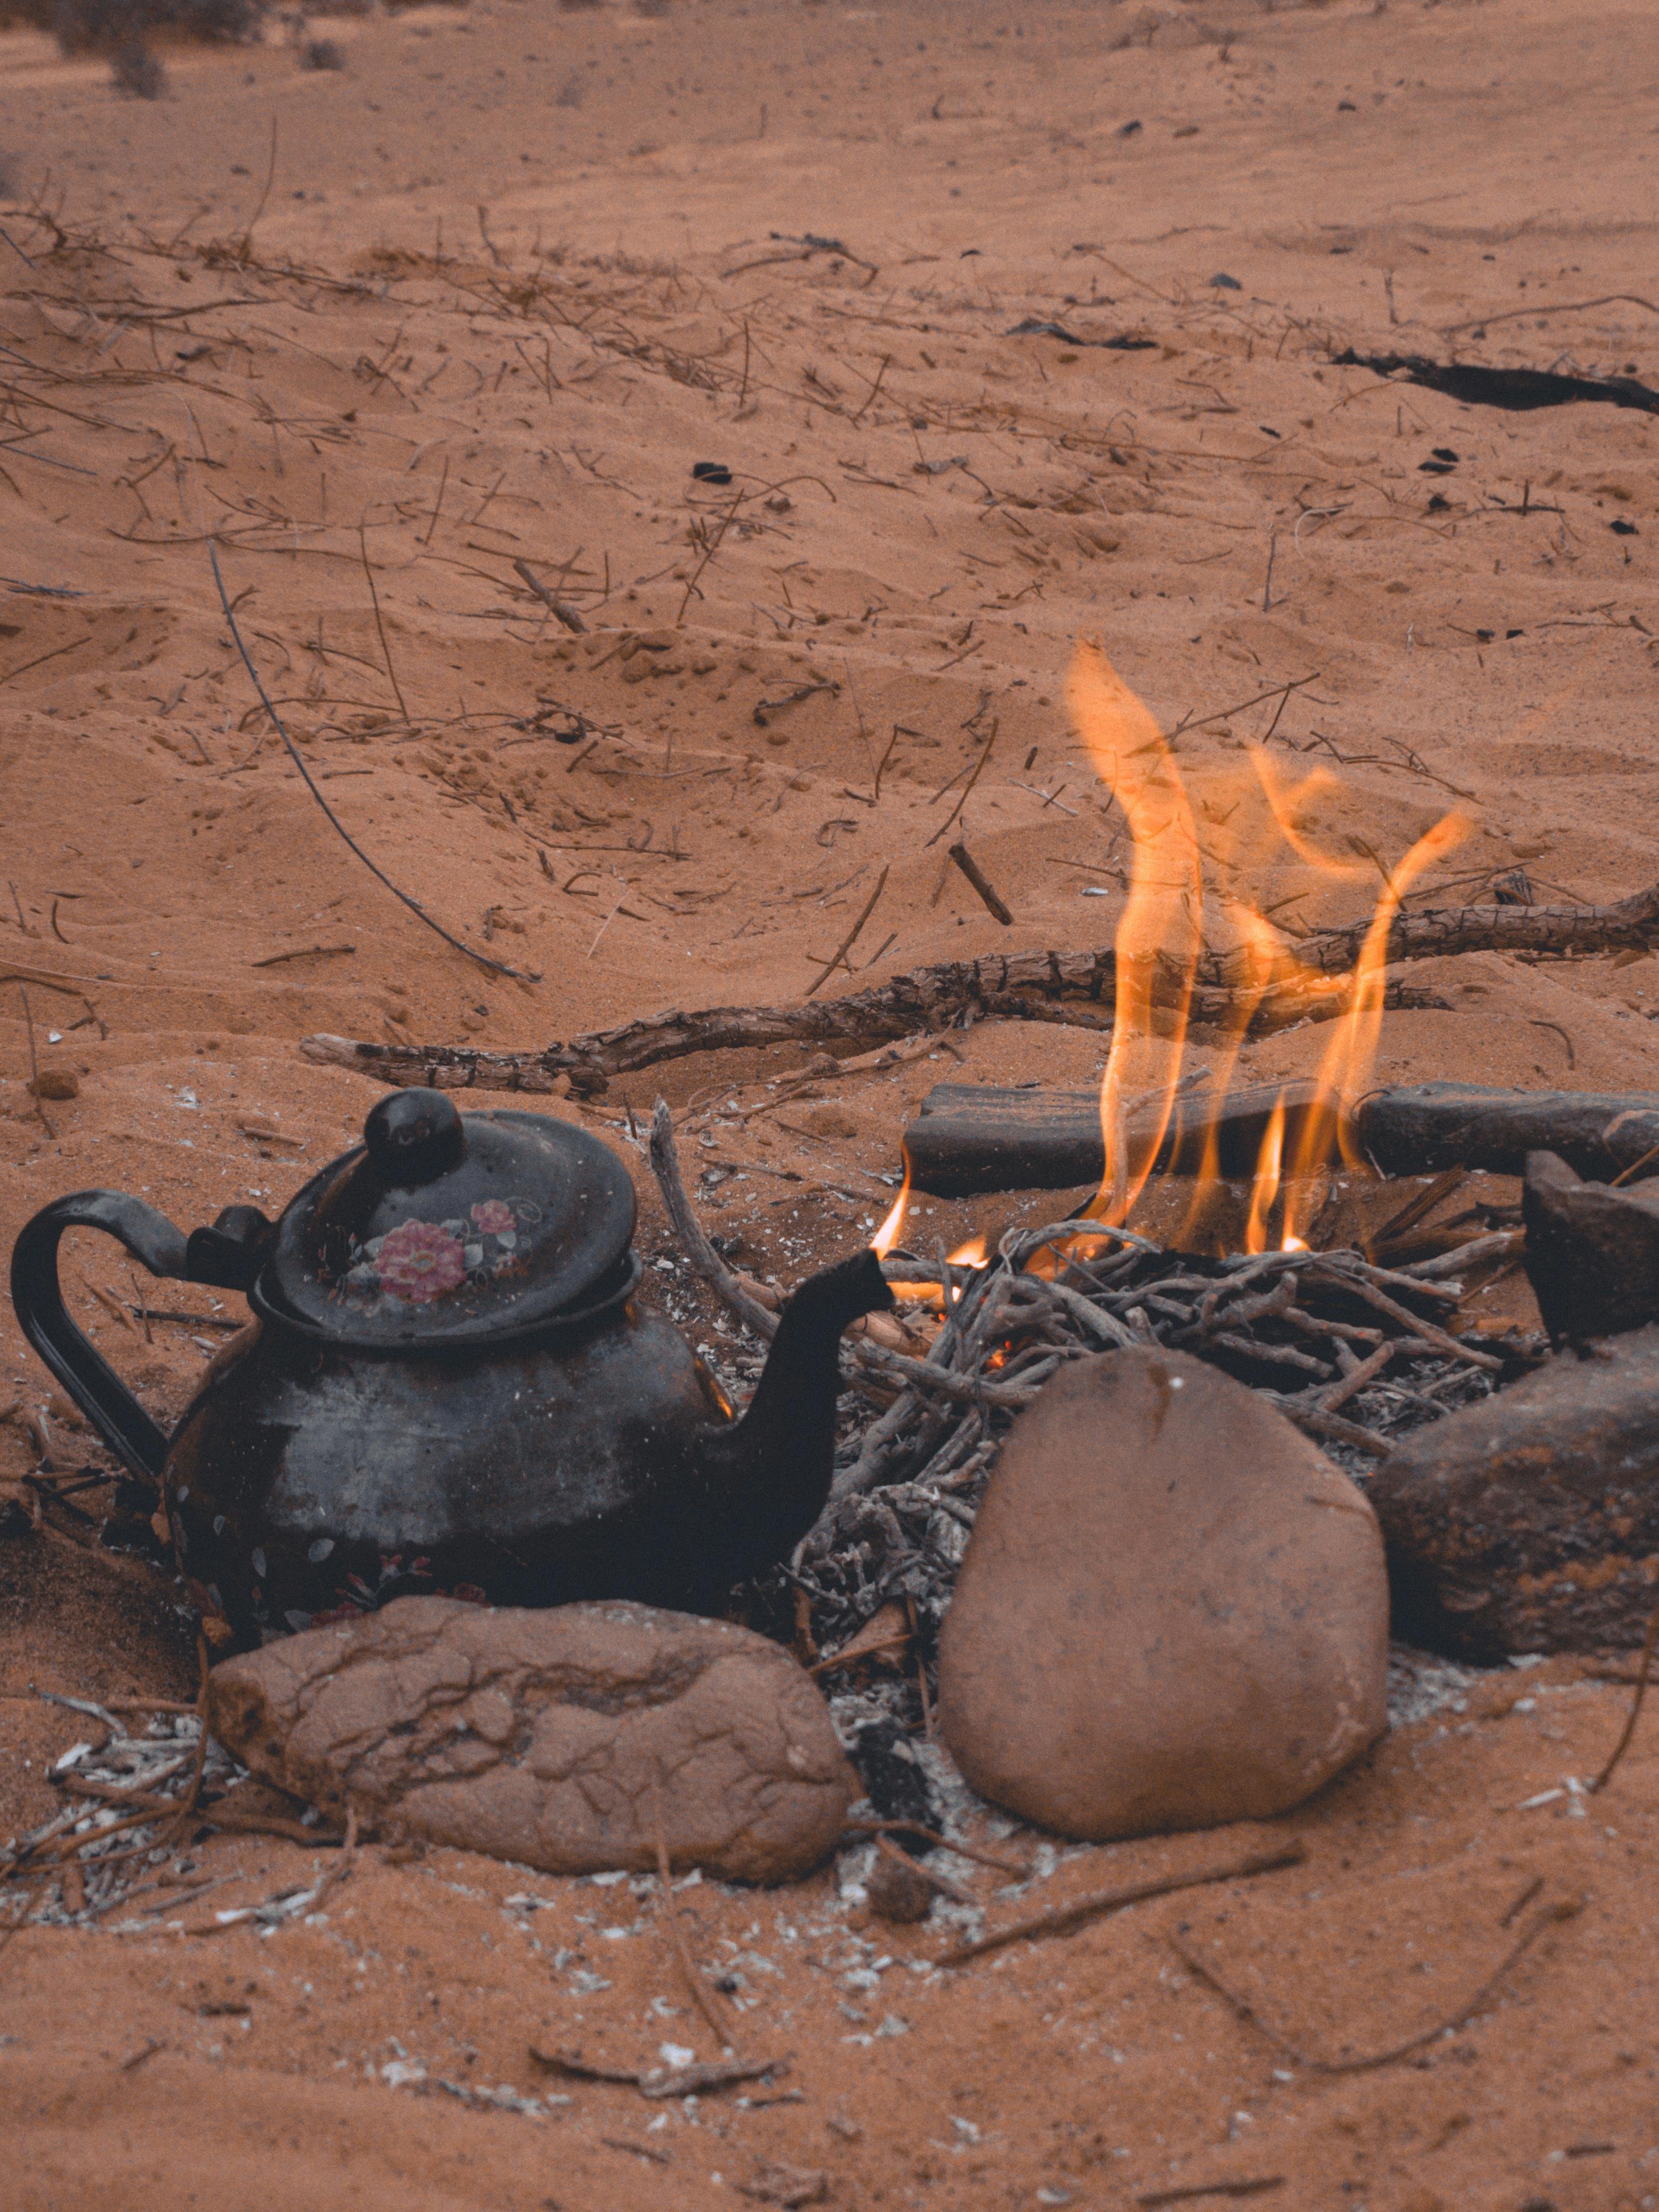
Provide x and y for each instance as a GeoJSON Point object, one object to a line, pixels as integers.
{"type": "Point", "coordinates": [34, 1066]}
{"type": "Point", "coordinates": [180, 1819]}
{"type": "Point", "coordinates": [665, 1163]}
{"type": "Point", "coordinates": [1257, 2186]}
{"type": "Point", "coordinates": [660, 2081]}
{"type": "Point", "coordinates": [1565, 1909]}
{"type": "Point", "coordinates": [496, 966]}
{"type": "Point", "coordinates": [989, 895]}
{"type": "Point", "coordinates": [941, 1883]}
{"type": "Point", "coordinates": [379, 625]}
{"type": "Point", "coordinates": [1020, 1868]}
{"type": "Point", "coordinates": [1061, 1919]}
{"type": "Point", "coordinates": [560, 609]}
{"type": "Point", "coordinates": [1643, 1667]}
{"type": "Point", "coordinates": [851, 937]}
{"type": "Point", "coordinates": [696, 1988]}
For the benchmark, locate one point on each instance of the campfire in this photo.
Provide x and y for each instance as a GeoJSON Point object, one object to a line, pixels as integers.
{"type": "Point", "coordinates": [1251, 1226]}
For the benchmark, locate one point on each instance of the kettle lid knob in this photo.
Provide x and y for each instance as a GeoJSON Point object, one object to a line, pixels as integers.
{"type": "Point", "coordinates": [413, 1137]}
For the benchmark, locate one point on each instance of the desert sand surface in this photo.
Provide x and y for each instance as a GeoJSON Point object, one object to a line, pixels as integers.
{"type": "Point", "coordinates": [486, 294]}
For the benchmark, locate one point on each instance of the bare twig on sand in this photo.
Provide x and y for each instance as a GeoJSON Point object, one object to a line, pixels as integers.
{"type": "Point", "coordinates": [560, 609]}
{"type": "Point", "coordinates": [1019, 986]}
{"type": "Point", "coordinates": [1548, 1917]}
{"type": "Point", "coordinates": [1255, 2185]}
{"type": "Point", "coordinates": [698, 1989]}
{"type": "Point", "coordinates": [1061, 1919]}
{"type": "Point", "coordinates": [665, 2081]}
{"type": "Point", "coordinates": [380, 626]}
{"type": "Point", "coordinates": [482, 960]}
{"type": "Point", "coordinates": [34, 1066]}
{"type": "Point", "coordinates": [851, 937]}
{"type": "Point", "coordinates": [665, 1165]}
{"type": "Point", "coordinates": [1643, 1668]}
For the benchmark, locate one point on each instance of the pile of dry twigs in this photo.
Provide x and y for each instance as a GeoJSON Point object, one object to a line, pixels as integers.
{"type": "Point", "coordinates": [1355, 1353]}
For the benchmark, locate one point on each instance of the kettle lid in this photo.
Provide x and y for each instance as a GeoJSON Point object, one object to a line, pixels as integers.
{"type": "Point", "coordinates": [442, 1230]}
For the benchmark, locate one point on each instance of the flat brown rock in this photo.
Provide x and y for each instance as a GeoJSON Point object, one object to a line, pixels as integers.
{"type": "Point", "coordinates": [1172, 1612]}
{"type": "Point", "coordinates": [1530, 1522]}
{"type": "Point", "coordinates": [556, 1738]}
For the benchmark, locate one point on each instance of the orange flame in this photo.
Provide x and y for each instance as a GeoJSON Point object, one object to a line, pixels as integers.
{"type": "Point", "coordinates": [888, 1235]}
{"type": "Point", "coordinates": [1160, 936]}
{"type": "Point", "coordinates": [1160, 940]}
{"type": "Point", "coordinates": [1264, 1189]}
{"type": "Point", "coordinates": [1345, 1065]}
{"type": "Point", "coordinates": [970, 1255]}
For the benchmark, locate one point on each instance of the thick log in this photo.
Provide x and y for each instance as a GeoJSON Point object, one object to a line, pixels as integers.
{"type": "Point", "coordinates": [1419, 1128]}
{"type": "Point", "coordinates": [1529, 1521]}
{"type": "Point", "coordinates": [969, 1138]}
{"type": "Point", "coordinates": [972, 1137]}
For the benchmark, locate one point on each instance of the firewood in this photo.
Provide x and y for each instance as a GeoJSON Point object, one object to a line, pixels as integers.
{"type": "Point", "coordinates": [971, 1137]}
{"type": "Point", "coordinates": [978, 1137]}
{"type": "Point", "coordinates": [1024, 986]}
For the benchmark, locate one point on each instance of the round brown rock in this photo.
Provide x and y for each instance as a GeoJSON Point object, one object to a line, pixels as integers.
{"type": "Point", "coordinates": [557, 1738]}
{"type": "Point", "coordinates": [1173, 1610]}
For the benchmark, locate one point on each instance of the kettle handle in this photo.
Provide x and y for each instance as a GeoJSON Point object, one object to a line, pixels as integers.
{"type": "Point", "coordinates": [227, 1254]}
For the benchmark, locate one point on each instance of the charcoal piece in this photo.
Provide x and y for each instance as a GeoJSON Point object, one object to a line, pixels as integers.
{"type": "Point", "coordinates": [1592, 1253]}
{"type": "Point", "coordinates": [1517, 389]}
{"type": "Point", "coordinates": [1529, 1521]}
{"type": "Point", "coordinates": [893, 1779]}
{"type": "Point", "coordinates": [897, 1891]}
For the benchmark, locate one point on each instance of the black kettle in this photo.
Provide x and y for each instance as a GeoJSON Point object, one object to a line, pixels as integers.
{"type": "Point", "coordinates": [451, 1387]}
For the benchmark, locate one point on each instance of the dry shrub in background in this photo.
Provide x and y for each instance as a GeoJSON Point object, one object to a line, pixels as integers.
{"type": "Point", "coordinates": [136, 72]}
{"type": "Point", "coordinates": [108, 25]}
{"type": "Point", "coordinates": [322, 54]}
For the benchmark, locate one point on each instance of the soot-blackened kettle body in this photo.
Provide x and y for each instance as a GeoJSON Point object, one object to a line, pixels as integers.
{"type": "Point", "coordinates": [451, 1385]}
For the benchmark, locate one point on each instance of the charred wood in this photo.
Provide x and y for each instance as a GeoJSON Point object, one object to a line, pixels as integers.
{"type": "Point", "coordinates": [978, 1137]}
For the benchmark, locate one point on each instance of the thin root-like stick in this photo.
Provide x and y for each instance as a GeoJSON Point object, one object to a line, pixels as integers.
{"type": "Point", "coordinates": [379, 625]}
{"type": "Point", "coordinates": [1565, 1909]}
{"type": "Point", "coordinates": [1643, 1668]}
{"type": "Point", "coordinates": [496, 966]}
{"type": "Point", "coordinates": [1061, 1919]}
{"type": "Point", "coordinates": [941, 1883]}
{"type": "Point", "coordinates": [34, 1066]}
{"type": "Point", "coordinates": [1019, 1868]}
{"type": "Point", "coordinates": [851, 937]}
{"type": "Point", "coordinates": [699, 1991]}
{"type": "Point", "coordinates": [665, 1165]}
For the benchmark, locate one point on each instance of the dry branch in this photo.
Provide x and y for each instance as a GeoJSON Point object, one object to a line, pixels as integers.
{"type": "Point", "coordinates": [1056, 986]}
{"type": "Point", "coordinates": [1061, 1919]}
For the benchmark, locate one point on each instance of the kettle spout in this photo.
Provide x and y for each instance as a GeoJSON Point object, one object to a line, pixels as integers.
{"type": "Point", "coordinates": [771, 1471]}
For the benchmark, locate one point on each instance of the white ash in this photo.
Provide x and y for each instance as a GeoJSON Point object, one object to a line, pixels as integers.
{"type": "Point", "coordinates": [1422, 1682]}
